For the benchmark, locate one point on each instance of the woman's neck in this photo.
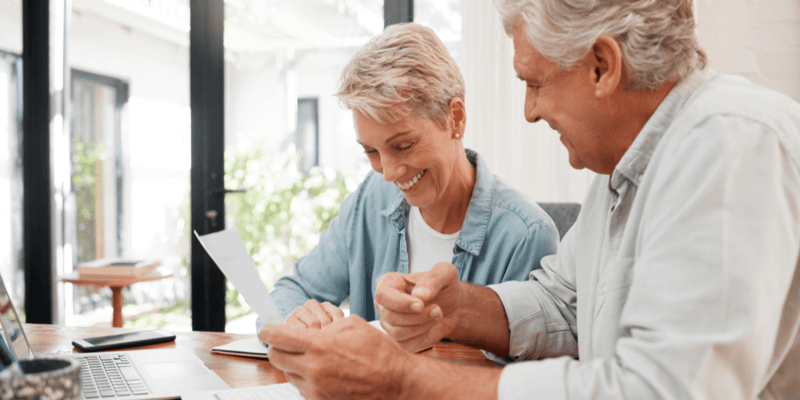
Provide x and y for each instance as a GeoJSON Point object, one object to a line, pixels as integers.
{"type": "Point", "coordinates": [447, 216]}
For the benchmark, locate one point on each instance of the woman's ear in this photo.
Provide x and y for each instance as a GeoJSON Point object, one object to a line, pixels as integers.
{"type": "Point", "coordinates": [606, 65]}
{"type": "Point", "coordinates": [458, 116]}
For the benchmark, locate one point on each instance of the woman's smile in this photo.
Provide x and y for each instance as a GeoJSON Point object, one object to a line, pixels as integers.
{"type": "Point", "coordinates": [410, 184]}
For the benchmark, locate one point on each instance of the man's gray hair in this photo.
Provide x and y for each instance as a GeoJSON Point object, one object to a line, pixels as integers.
{"type": "Point", "coordinates": [657, 37]}
{"type": "Point", "coordinates": [403, 70]}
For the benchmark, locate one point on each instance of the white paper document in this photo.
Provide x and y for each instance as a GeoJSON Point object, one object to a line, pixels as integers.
{"type": "Point", "coordinates": [228, 251]}
{"type": "Point", "coordinates": [280, 391]}
{"type": "Point", "coordinates": [251, 347]}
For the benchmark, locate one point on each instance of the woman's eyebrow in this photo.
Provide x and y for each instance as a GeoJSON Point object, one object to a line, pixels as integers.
{"type": "Point", "coordinates": [396, 135]}
{"type": "Point", "coordinates": [393, 137]}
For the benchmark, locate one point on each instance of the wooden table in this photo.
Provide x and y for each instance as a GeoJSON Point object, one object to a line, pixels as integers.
{"type": "Point", "coordinates": [116, 283]}
{"type": "Point", "coordinates": [238, 372]}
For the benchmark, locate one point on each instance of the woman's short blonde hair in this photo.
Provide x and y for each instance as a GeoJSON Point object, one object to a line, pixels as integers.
{"type": "Point", "coordinates": [406, 69]}
{"type": "Point", "coordinates": [657, 37]}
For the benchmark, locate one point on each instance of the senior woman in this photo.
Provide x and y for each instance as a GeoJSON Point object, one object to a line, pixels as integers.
{"type": "Point", "coordinates": [428, 199]}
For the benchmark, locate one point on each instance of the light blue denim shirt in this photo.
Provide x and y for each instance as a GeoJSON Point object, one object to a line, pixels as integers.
{"type": "Point", "coordinates": [679, 278]}
{"type": "Point", "coordinates": [503, 237]}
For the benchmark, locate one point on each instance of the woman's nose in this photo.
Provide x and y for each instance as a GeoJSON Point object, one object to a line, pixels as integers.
{"type": "Point", "coordinates": [392, 168]}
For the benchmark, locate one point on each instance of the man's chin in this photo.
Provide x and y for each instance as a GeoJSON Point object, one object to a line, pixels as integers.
{"type": "Point", "coordinates": [576, 162]}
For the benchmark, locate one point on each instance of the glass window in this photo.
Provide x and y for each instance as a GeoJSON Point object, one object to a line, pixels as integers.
{"type": "Point", "coordinates": [10, 178]}
{"type": "Point", "coordinates": [10, 155]}
{"type": "Point", "coordinates": [130, 152]}
{"type": "Point", "coordinates": [288, 141]}
{"type": "Point", "coordinates": [444, 17]}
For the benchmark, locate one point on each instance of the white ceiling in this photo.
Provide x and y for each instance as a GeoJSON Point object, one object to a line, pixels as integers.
{"type": "Point", "coordinates": [269, 25]}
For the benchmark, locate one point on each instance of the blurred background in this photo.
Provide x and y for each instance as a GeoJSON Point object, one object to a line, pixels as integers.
{"type": "Point", "coordinates": [122, 155]}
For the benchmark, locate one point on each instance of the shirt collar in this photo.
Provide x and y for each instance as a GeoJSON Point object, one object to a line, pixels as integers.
{"type": "Point", "coordinates": [478, 213]}
{"type": "Point", "coordinates": [634, 162]}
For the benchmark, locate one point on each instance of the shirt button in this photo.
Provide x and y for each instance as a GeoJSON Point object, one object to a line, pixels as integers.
{"type": "Point", "coordinates": [613, 207]}
{"type": "Point", "coordinates": [603, 290]}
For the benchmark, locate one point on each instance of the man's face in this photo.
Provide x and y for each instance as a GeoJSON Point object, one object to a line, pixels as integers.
{"type": "Point", "coordinates": [566, 101]}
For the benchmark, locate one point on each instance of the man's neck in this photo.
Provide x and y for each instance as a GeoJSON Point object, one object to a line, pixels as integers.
{"type": "Point", "coordinates": [634, 107]}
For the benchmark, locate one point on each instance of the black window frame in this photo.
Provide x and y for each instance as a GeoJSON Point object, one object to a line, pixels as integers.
{"type": "Point", "coordinates": [207, 192]}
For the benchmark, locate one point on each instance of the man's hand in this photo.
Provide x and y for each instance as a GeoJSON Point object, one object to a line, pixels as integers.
{"type": "Point", "coordinates": [314, 315]}
{"type": "Point", "coordinates": [420, 309]}
{"type": "Point", "coordinates": [348, 359]}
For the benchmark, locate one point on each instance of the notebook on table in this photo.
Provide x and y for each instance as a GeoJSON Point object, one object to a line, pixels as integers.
{"type": "Point", "coordinates": [134, 375]}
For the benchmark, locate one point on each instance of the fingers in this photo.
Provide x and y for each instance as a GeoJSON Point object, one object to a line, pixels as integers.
{"type": "Point", "coordinates": [334, 313]}
{"type": "Point", "coordinates": [432, 282]}
{"type": "Point", "coordinates": [403, 333]}
{"type": "Point", "coordinates": [436, 332]}
{"type": "Point", "coordinates": [286, 339]}
{"type": "Point", "coordinates": [431, 312]}
{"type": "Point", "coordinates": [393, 292]}
{"type": "Point", "coordinates": [313, 315]}
{"type": "Point", "coordinates": [264, 332]}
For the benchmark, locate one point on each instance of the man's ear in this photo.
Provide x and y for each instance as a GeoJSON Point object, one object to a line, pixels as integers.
{"type": "Point", "coordinates": [606, 63]}
{"type": "Point", "coordinates": [458, 115]}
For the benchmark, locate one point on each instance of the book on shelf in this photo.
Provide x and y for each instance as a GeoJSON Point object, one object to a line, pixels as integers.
{"type": "Point", "coordinates": [117, 267]}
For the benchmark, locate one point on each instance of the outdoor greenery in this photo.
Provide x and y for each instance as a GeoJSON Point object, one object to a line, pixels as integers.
{"type": "Point", "coordinates": [86, 169]}
{"type": "Point", "coordinates": [283, 211]}
{"type": "Point", "coordinates": [85, 180]}
{"type": "Point", "coordinates": [279, 217]}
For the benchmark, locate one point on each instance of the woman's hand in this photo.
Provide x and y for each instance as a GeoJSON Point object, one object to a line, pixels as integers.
{"type": "Point", "coordinates": [314, 315]}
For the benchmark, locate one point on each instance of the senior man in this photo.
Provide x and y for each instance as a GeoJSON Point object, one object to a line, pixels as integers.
{"type": "Point", "coordinates": [679, 278]}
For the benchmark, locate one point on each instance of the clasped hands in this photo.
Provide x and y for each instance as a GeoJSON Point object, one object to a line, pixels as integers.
{"type": "Point", "coordinates": [347, 358]}
{"type": "Point", "coordinates": [420, 309]}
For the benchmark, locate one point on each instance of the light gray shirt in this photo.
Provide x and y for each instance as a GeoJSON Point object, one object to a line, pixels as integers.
{"type": "Point", "coordinates": [678, 279]}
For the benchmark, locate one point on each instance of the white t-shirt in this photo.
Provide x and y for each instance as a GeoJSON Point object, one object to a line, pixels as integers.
{"type": "Point", "coordinates": [426, 246]}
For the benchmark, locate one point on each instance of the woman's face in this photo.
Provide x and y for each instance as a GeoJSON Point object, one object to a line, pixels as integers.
{"type": "Point", "coordinates": [415, 153]}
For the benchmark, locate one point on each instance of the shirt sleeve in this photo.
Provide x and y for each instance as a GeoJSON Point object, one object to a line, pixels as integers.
{"type": "Point", "coordinates": [705, 312]}
{"type": "Point", "coordinates": [540, 240]}
{"type": "Point", "coordinates": [322, 274]}
{"type": "Point", "coordinates": [541, 311]}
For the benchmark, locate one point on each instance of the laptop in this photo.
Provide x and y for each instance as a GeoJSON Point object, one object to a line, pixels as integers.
{"type": "Point", "coordinates": [134, 375]}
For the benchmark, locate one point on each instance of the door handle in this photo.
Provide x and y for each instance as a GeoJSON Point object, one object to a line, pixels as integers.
{"type": "Point", "coordinates": [228, 191]}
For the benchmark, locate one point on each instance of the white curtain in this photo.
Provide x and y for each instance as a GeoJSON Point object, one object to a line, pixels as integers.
{"type": "Point", "coordinates": [529, 156]}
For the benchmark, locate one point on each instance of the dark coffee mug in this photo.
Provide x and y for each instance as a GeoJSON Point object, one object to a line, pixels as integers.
{"type": "Point", "coordinates": [43, 378]}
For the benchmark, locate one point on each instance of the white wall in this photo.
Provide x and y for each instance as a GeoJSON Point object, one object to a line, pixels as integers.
{"type": "Point", "coordinates": [529, 156]}
{"type": "Point", "coordinates": [759, 39]}
{"type": "Point", "coordinates": [10, 26]}
{"type": "Point", "coordinates": [256, 103]}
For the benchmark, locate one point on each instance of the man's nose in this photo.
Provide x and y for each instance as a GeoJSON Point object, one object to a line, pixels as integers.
{"type": "Point", "coordinates": [531, 108]}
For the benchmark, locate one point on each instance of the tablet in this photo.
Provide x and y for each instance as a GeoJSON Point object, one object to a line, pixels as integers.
{"type": "Point", "coordinates": [123, 340]}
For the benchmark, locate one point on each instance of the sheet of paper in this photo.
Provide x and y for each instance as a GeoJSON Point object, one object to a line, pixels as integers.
{"type": "Point", "coordinates": [251, 347]}
{"type": "Point", "coordinates": [228, 251]}
{"type": "Point", "coordinates": [282, 391]}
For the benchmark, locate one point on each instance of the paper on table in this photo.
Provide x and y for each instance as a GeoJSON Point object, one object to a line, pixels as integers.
{"type": "Point", "coordinates": [250, 347]}
{"type": "Point", "coordinates": [282, 391]}
{"type": "Point", "coordinates": [227, 250]}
